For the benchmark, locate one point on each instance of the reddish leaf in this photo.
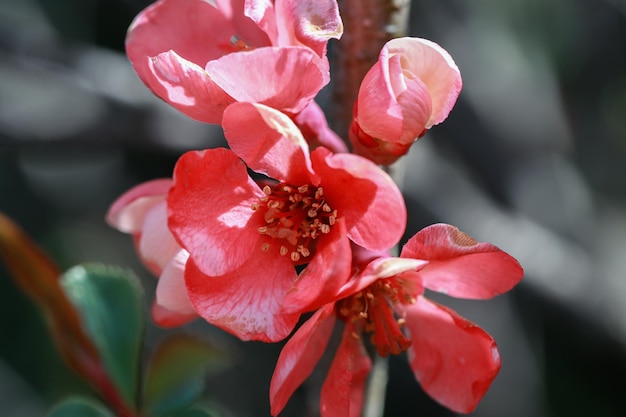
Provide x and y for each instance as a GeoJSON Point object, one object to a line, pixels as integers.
{"type": "Point", "coordinates": [37, 275]}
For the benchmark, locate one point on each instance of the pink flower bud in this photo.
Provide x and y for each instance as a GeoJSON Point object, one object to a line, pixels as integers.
{"type": "Point", "coordinates": [412, 87]}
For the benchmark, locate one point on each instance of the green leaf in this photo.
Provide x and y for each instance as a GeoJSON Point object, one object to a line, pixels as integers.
{"type": "Point", "coordinates": [176, 373]}
{"type": "Point", "coordinates": [80, 407]}
{"type": "Point", "coordinates": [111, 306]}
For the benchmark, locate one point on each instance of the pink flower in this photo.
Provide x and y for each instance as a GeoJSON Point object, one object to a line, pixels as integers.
{"type": "Point", "coordinates": [200, 57]}
{"type": "Point", "coordinates": [453, 359]}
{"type": "Point", "coordinates": [245, 236]}
{"type": "Point", "coordinates": [412, 87]}
{"type": "Point", "coordinates": [142, 212]}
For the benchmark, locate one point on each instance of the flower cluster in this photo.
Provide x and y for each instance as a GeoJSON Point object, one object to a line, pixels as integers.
{"type": "Point", "coordinates": [287, 221]}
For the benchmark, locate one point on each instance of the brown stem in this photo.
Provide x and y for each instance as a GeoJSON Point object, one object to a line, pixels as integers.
{"type": "Point", "coordinates": [368, 25]}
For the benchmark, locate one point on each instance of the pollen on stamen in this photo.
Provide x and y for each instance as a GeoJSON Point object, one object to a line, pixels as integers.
{"type": "Point", "coordinates": [283, 250]}
{"type": "Point", "coordinates": [265, 247]}
{"type": "Point", "coordinates": [325, 228]}
{"type": "Point", "coordinates": [303, 189]}
{"type": "Point", "coordinates": [295, 256]}
{"type": "Point", "coordinates": [304, 251]}
{"type": "Point", "coordinates": [254, 206]}
{"type": "Point", "coordinates": [267, 190]}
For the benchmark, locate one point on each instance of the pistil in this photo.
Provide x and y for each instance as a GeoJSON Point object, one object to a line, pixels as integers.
{"type": "Point", "coordinates": [373, 307]}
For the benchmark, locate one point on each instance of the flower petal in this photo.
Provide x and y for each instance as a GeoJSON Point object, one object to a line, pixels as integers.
{"type": "Point", "coordinates": [382, 268]}
{"type": "Point", "coordinates": [128, 212]}
{"type": "Point", "coordinates": [416, 110]}
{"type": "Point", "coordinates": [308, 22]}
{"type": "Point", "coordinates": [435, 68]}
{"type": "Point", "coordinates": [299, 356]}
{"type": "Point", "coordinates": [312, 123]}
{"type": "Point", "coordinates": [210, 210]}
{"type": "Point", "coordinates": [378, 112]}
{"type": "Point", "coordinates": [454, 360]}
{"type": "Point", "coordinates": [328, 271]}
{"type": "Point", "coordinates": [156, 244]}
{"type": "Point", "coordinates": [344, 387]}
{"type": "Point", "coordinates": [365, 196]}
{"type": "Point", "coordinates": [268, 141]}
{"type": "Point", "coordinates": [247, 301]}
{"type": "Point", "coordinates": [286, 78]}
{"type": "Point", "coordinates": [185, 86]}
{"type": "Point", "coordinates": [171, 292]}
{"type": "Point", "coordinates": [196, 29]}
{"type": "Point", "coordinates": [459, 266]}
{"type": "Point", "coordinates": [165, 318]}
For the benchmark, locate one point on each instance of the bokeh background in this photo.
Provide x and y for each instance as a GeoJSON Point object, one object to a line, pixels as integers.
{"type": "Point", "coordinates": [532, 158]}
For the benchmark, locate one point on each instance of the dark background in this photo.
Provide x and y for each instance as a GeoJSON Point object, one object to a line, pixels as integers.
{"type": "Point", "coordinates": [532, 158]}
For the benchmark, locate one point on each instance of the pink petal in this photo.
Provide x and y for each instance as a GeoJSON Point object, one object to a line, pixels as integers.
{"type": "Point", "coordinates": [246, 29]}
{"type": "Point", "coordinates": [196, 29]}
{"type": "Point", "coordinates": [416, 110]}
{"type": "Point", "coordinates": [268, 141]}
{"type": "Point", "coordinates": [171, 292]}
{"type": "Point", "coordinates": [299, 356]}
{"type": "Point", "coordinates": [156, 243]}
{"type": "Point", "coordinates": [247, 301]}
{"type": "Point", "coordinates": [328, 271]}
{"type": "Point", "coordinates": [286, 79]}
{"type": "Point", "coordinates": [165, 318]}
{"type": "Point", "coordinates": [262, 13]}
{"type": "Point", "coordinates": [365, 196]}
{"type": "Point", "coordinates": [127, 213]}
{"type": "Point", "coordinates": [378, 112]}
{"type": "Point", "coordinates": [434, 66]}
{"type": "Point", "coordinates": [308, 22]}
{"type": "Point", "coordinates": [312, 123]}
{"type": "Point", "coordinates": [459, 266]}
{"type": "Point", "coordinates": [185, 86]}
{"type": "Point", "coordinates": [344, 387]}
{"type": "Point", "coordinates": [454, 360]}
{"type": "Point", "coordinates": [383, 268]}
{"type": "Point", "coordinates": [210, 210]}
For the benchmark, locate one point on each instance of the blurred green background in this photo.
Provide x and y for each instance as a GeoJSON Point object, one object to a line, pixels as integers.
{"type": "Point", "coordinates": [532, 158]}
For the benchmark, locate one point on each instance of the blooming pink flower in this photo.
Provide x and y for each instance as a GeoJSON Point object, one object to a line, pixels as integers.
{"type": "Point", "coordinates": [234, 226]}
{"type": "Point", "coordinates": [201, 56]}
{"type": "Point", "coordinates": [142, 212]}
{"type": "Point", "coordinates": [413, 86]}
{"type": "Point", "coordinates": [453, 359]}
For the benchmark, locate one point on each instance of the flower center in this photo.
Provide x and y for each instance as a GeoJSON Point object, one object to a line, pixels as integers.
{"type": "Point", "coordinates": [297, 216]}
{"type": "Point", "coordinates": [373, 306]}
{"type": "Point", "coordinates": [239, 44]}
